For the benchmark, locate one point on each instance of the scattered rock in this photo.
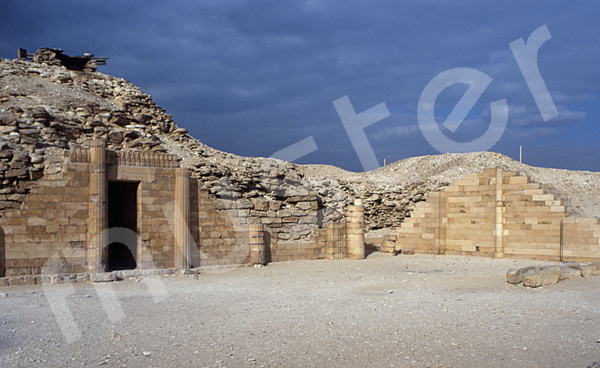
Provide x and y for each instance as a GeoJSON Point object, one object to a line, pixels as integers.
{"type": "Point", "coordinates": [515, 276]}
{"type": "Point", "coordinates": [547, 276]}
{"type": "Point", "coordinates": [588, 270]}
{"type": "Point", "coordinates": [535, 276]}
{"type": "Point", "coordinates": [567, 273]}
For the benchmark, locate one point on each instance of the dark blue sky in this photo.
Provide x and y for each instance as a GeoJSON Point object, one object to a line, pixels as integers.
{"type": "Point", "coordinates": [252, 77]}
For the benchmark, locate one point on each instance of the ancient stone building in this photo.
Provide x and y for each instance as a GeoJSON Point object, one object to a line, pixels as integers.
{"type": "Point", "coordinates": [501, 214]}
{"type": "Point", "coordinates": [98, 210]}
{"type": "Point", "coordinates": [96, 177]}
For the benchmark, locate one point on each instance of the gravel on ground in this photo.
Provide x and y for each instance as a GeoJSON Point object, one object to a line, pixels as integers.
{"type": "Point", "coordinates": [384, 311]}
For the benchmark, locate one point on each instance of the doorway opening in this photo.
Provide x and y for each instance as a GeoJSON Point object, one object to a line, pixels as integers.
{"type": "Point", "coordinates": [122, 213]}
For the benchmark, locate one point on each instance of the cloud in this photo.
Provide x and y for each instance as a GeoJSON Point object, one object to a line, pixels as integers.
{"type": "Point", "coordinates": [526, 116]}
{"type": "Point", "coordinates": [227, 70]}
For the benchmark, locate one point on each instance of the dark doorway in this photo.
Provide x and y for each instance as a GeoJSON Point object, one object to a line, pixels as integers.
{"type": "Point", "coordinates": [122, 212]}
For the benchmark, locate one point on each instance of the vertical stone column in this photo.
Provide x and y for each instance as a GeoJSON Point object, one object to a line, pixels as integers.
{"type": "Point", "coordinates": [97, 251]}
{"type": "Point", "coordinates": [499, 232]}
{"type": "Point", "coordinates": [257, 244]}
{"type": "Point", "coordinates": [183, 241]}
{"type": "Point", "coordinates": [354, 230]}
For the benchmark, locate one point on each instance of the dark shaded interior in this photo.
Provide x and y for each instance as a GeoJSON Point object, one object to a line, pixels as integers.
{"type": "Point", "coordinates": [122, 212]}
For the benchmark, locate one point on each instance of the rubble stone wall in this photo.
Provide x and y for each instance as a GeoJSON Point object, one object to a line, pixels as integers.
{"type": "Point", "coordinates": [471, 217]}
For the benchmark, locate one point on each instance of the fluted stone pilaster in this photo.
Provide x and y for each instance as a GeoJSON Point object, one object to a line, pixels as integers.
{"type": "Point", "coordinates": [183, 238]}
{"type": "Point", "coordinates": [98, 208]}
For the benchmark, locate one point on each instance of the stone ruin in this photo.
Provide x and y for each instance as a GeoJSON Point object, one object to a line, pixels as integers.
{"type": "Point", "coordinates": [107, 157]}
{"type": "Point", "coordinates": [50, 56]}
{"type": "Point", "coordinates": [499, 214]}
{"type": "Point", "coordinates": [97, 210]}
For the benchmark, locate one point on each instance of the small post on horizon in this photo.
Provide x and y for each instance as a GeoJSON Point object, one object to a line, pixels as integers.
{"type": "Point", "coordinates": [520, 154]}
{"type": "Point", "coordinates": [384, 162]}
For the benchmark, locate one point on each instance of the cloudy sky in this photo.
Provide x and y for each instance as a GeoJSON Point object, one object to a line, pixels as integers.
{"type": "Point", "coordinates": [254, 77]}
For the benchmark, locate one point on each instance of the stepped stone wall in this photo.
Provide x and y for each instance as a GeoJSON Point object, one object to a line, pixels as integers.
{"type": "Point", "coordinates": [499, 213]}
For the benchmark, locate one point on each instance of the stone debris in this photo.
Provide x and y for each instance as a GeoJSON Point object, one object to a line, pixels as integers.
{"type": "Point", "coordinates": [515, 276]}
{"type": "Point", "coordinates": [536, 276]}
{"type": "Point", "coordinates": [546, 276]}
{"type": "Point", "coordinates": [567, 273]}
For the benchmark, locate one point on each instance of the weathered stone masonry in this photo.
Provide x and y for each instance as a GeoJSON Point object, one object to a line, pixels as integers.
{"type": "Point", "coordinates": [499, 213]}
{"type": "Point", "coordinates": [66, 224]}
{"type": "Point", "coordinates": [65, 214]}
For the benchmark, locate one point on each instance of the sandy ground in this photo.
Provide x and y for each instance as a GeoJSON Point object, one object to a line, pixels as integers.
{"type": "Point", "coordinates": [404, 311]}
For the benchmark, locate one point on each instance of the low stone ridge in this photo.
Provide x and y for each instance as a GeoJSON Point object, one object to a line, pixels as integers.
{"type": "Point", "coordinates": [536, 276]}
{"type": "Point", "coordinates": [86, 277]}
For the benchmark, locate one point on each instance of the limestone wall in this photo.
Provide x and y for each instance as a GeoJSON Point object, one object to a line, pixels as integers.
{"type": "Point", "coordinates": [63, 226]}
{"type": "Point", "coordinates": [222, 234]}
{"type": "Point", "coordinates": [51, 222]}
{"type": "Point", "coordinates": [51, 227]}
{"type": "Point", "coordinates": [499, 213]}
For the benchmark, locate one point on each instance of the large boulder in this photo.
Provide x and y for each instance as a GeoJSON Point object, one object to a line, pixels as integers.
{"type": "Point", "coordinates": [547, 276]}
{"type": "Point", "coordinates": [567, 273]}
{"type": "Point", "coordinates": [585, 270]}
{"type": "Point", "coordinates": [515, 275]}
{"type": "Point", "coordinates": [596, 271]}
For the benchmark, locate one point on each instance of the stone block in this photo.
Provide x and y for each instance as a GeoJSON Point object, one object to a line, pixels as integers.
{"type": "Point", "coordinates": [102, 277]}
{"type": "Point", "coordinates": [586, 270]}
{"type": "Point", "coordinates": [567, 273]}
{"type": "Point", "coordinates": [82, 277]}
{"type": "Point", "coordinates": [260, 204]}
{"type": "Point", "coordinates": [21, 280]}
{"type": "Point", "coordinates": [547, 276]}
{"type": "Point", "coordinates": [519, 180]}
{"type": "Point", "coordinates": [587, 221]}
